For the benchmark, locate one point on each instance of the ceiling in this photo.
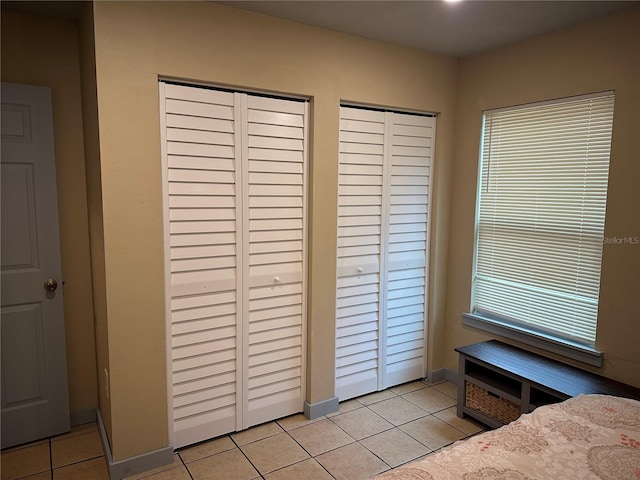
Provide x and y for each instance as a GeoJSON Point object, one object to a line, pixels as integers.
{"type": "Point", "coordinates": [456, 29]}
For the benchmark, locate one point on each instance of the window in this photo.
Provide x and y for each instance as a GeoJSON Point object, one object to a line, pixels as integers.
{"type": "Point", "coordinates": [540, 221]}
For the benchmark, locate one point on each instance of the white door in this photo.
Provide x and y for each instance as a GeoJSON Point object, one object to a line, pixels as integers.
{"type": "Point", "coordinates": [361, 203]}
{"type": "Point", "coordinates": [409, 180]}
{"type": "Point", "coordinates": [35, 400]}
{"type": "Point", "coordinates": [235, 182]}
{"type": "Point", "coordinates": [274, 222]}
{"type": "Point", "coordinates": [204, 248]}
{"type": "Point", "coordinates": [383, 203]}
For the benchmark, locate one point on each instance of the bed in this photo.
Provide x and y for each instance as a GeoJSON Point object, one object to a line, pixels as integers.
{"type": "Point", "coordinates": [585, 437]}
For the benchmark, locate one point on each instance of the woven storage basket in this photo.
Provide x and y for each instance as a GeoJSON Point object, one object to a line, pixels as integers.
{"type": "Point", "coordinates": [479, 399]}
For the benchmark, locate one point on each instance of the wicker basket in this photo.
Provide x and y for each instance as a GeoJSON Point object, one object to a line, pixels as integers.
{"type": "Point", "coordinates": [479, 399]}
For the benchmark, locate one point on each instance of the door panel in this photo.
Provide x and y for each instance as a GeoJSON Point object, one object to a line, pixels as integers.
{"type": "Point", "coordinates": [235, 178]}
{"type": "Point", "coordinates": [359, 302]}
{"type": "Point", "coordinates": [203, 261]}
{"type": "Point", "coordinates": [35, 402]}
{"type": "Point", "coordinates": [275, 266]}
{"type": "Point", "coordinates": [383, 206]}
{"type": "Point", "coordinates": [22, 341]}
{"type": "Point", "coordinates": [409, 178]}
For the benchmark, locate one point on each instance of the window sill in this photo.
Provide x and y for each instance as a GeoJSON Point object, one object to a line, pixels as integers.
{"type": "Point", "coordinates": [575, 351]}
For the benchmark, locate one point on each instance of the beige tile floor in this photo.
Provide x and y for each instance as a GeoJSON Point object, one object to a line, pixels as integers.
{"type": "Point", "coordinates": [367, 436]}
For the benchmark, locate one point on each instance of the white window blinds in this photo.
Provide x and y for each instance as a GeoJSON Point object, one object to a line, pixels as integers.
{"type": "Point", "coordinates": [540, 218]}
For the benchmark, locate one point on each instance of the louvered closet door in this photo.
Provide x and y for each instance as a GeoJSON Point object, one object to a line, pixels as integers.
{"type": "Point", "coordinates": [409, 178]}
{"type": "Point", "coordinates": [360, 229]}
{"type": "Point", "coordinates": [236, 228]}
{"type": "Point", "coordinates": [275, 270]}
{"type": "Point", "coordinates": [201, 160]}
{"type": "Point", "coordinates": [382, 249]}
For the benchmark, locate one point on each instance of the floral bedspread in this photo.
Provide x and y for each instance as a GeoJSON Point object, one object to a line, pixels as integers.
{"type": "Point", "coordinates": [589, 437]}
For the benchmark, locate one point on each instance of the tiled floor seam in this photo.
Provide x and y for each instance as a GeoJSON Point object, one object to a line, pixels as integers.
{"type": "Point", "coordinates": [376, 455]}
{"type": "Point", "coordinates": [75, 463]}
{"type": "Point", "coordinates": [359, 441]}
{"type": "Point", "coordinates": [184, 464]}
{"type": "Point", "coordinates": [309, 453]}
{"type": "Point", "coordinates": [50, 459]}
{"type": "Point", "coordinates": [172, 468]}
{"type": "Point", "coordinates": [261, 475]}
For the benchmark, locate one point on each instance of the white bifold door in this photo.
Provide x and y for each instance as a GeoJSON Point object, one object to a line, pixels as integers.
{"type": "Point", "coordinates": [235, 175]}
{"type": "Point", "coordinates": [383, 232]}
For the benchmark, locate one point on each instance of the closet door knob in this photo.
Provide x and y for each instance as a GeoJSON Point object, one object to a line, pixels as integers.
{"type": "Point", "coordinates": [276, 279]}
{"type": "Point", "coordinates": [359, 269]}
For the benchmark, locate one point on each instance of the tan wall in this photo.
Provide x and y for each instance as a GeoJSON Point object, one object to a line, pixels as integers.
{"type": "Point", "coordinates": [43, 51]}
{"type": "Point", "coordinates": [136, 42]}
{"type": "Point", "coordinates": [600, 55]}
{"type": "Point", "coordinates": [94, 200]}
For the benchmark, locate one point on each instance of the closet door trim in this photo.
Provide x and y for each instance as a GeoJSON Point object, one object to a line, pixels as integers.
{"type": "Point", "coordinates": [384, 250]}
{"type": "Point", "coordinates": [242, 235]}
{"type": "Point", "coordinates": [164, 162]}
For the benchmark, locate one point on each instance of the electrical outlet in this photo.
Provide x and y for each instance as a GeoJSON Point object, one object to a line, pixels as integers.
{"type": "Point", "coordinates": [106, 382]}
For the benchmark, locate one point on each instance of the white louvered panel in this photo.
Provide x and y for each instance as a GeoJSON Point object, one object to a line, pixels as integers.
{"type": "Point", "coordinates": [201, 163]}
{"type": "Point", "coordinates": [409, 180]}
{"type": "Point", "coordinates": [383, 208]}
{"type": "Point", "coordinates": [360, 210]}
{"type": "Point", "coordinates": [235, 174]}
{"type": "Point", "coordinates": [275, 261]}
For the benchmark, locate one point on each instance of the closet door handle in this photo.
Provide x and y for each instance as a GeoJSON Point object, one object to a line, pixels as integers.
{"type": "Point", "coordinates": [276, 279]}
{"type": "Point", "coordinates": [359, 269]}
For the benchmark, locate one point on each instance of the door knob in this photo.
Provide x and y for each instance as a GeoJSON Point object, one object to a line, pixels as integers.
{"type": "Point", "coordinates": [359, 269]}
{"type": "Point", "coordinates": [50, 285]}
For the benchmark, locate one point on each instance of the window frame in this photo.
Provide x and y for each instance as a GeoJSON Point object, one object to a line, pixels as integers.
{"type": "Point", "coordinates": [513, 329]}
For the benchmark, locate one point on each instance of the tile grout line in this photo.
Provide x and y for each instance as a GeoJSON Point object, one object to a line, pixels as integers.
{"type": "Point", "coordinates": [428, 414]}
{"type": "Point", "coordinates": [184, 465]}
{"type": "Point", "coordinates": [50, 459]}
{"type": "Point", "coordinates": [75, 463]}
{"type": "Point", "coordinates": [312, 457]}
{"type": "Point", "coordinates": [245, 455]}
{"type": "Point", "coordinates": [394, 427]}
{"type": "Point", "coordinates": [349, 435]}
